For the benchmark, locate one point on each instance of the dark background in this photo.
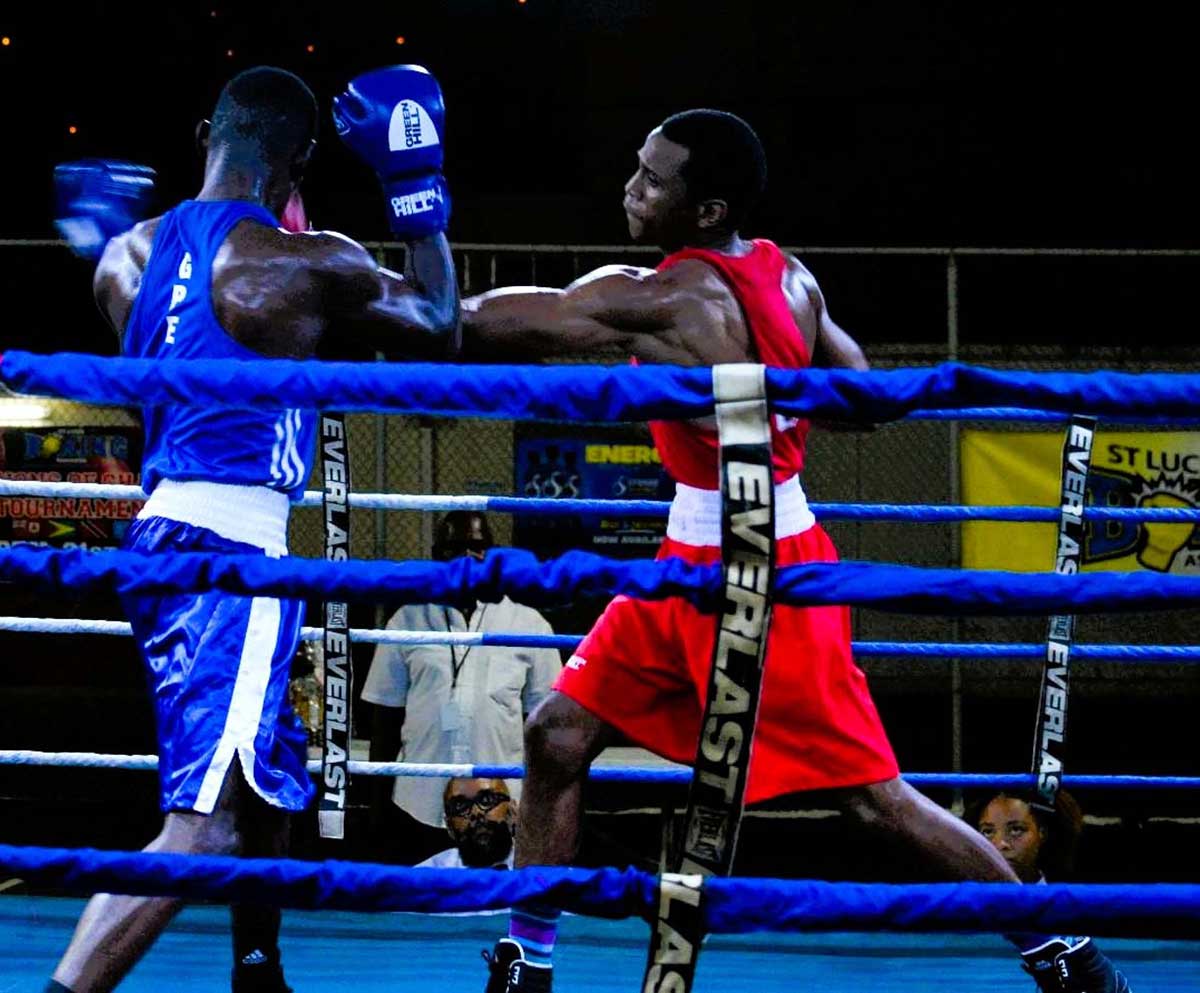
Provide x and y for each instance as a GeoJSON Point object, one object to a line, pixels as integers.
{"type": "Point", "coordinates": [886, 123]}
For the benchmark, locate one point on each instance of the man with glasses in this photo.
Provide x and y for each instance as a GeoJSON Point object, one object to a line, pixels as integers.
{"type": "Point", "coordinates": [480, 818]}
{"type": "Point", "coordinates": [450, 703]}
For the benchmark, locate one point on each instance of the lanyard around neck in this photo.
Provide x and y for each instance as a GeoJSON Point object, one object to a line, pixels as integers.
{"type": "Point", "coordinates": [456, 663]}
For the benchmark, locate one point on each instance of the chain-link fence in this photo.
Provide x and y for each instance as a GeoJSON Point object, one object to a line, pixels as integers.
{"type": "Point", "coordinates": [950, 304]}
{"type": "Point", "coordinates": [909, 462]}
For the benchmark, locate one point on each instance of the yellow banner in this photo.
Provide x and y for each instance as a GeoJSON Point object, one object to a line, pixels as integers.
{"type": "Point", "coordinates": [1129, 469]}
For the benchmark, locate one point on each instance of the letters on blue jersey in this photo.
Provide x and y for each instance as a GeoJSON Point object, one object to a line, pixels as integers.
{"type": "Point", "coordinates": [178, 295]}
{"type": "Point", "coordinates": [173, 318]}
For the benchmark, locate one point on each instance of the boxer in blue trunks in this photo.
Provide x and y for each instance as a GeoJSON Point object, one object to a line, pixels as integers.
{"type": "Point", "coordinates": [218, 277]}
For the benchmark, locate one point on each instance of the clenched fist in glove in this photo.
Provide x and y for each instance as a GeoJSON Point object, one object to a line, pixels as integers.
{"type": "Point", "coordinates": [393, 119]}
{"type": "Point", "coordinates": [98, 199]}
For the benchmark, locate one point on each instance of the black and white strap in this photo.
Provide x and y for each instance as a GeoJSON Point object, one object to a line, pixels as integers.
{"type": "Point", "coordinates": [1050, 728]}
{"type": "Point", "coordinates": [715, 798]}
{"type": "Point", "coordinates": [339, 669]}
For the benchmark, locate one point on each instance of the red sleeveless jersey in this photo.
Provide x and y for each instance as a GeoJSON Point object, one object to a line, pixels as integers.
{"type": "Point", "coordinates": [690, 452]}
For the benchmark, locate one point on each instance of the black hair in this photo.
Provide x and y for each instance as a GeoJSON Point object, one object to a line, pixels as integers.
{"type": "Point", "coordinates": [1060, 827]}
{"type": "Point", "coordinates": [269, 109]}
{"type": "Point", "coordinates": [460, 520]}
{"type": "Point", "coordinates": [726, 161]}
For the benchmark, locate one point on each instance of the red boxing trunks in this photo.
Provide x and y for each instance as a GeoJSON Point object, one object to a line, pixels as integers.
{"type": "Point", "coordinates": [644, 667]}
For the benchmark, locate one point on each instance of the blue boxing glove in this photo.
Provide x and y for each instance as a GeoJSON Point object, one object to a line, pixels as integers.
{"type": "Point", "coordinates": [393, 119]}
{"type": "Point", "coordinates": [98, 199]}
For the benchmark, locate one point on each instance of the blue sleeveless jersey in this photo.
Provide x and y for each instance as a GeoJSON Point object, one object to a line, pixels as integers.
{"type": "Point", "coordinates": [173, 318]}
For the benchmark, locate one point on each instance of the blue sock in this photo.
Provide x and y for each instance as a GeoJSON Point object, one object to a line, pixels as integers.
{"type": "Point", "coordinates": [535, 926]}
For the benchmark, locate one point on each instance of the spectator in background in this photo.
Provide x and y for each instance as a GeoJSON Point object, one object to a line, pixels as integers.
{"type": "Point", "coordinates": [480, 819]}
{"type": "Point", "coordinates": [1039, 844]}
{"type": "Point", "coordinates": [450, 703]}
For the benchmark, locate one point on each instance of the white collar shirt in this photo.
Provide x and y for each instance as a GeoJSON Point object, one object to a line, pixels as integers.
{"type": "Point", "coordinates": [490, 689]}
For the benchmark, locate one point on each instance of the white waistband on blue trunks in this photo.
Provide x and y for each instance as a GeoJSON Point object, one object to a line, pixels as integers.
{"type": "Point", "coordinates": [253, 515]}
{"type": "Point", "coordinates": [695, 517]}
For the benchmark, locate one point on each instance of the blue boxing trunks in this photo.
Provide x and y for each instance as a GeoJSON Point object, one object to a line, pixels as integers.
{"type": "Point", "coordinates": [218, 667]}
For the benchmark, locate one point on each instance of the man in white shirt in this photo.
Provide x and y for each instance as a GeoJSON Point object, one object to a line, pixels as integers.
{"type": "Point", "coordinates": [480, 819]}
{"type": "Point", "coordinates": [450, 703]}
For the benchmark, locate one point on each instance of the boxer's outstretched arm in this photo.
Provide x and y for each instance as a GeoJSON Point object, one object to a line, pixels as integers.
{"type": "Point", "coordinates": [405, 317]}
{"type": "Point", "coordinates": [617, 309]}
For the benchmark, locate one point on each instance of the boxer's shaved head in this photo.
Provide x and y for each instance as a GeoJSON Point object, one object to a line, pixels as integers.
{"type": "Point", "coordinates": [269, 110]}
{"type": "Point", "coordinates": [725, 159]}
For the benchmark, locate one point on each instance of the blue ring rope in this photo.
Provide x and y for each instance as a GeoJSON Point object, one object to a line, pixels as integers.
{"type": "Point", "coordinates": [923, 513]}
{"type": "Point", "coordinates": [918, 649]}
{"type": "Point", "coordinates": [927, 780]}
{"type": "Point", "coordinates": [37, 491]}
{"type": "Point", "coordinates": [511, 639]}
{"type": "Point", "coordinates": [656, 775]}
{"type": "Point", "coordinates": [935, 513]}
{"type": "Point", "coordinates": [733, 906]}
{"type": "Point", "coordinates": [520, 575]}
{"type": "Point", "coordinates": [1019, 414]}
{"type": "Point", "coordinates": [816, 393]}
{"type": "Point", "coordinates": [996, 650]}
{"type": "Point", "coordinates": [596, 393]}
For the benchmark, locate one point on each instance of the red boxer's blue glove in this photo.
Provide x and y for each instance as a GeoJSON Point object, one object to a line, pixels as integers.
{"type": "Point", "coordinates": [98, 199]}
{"type": "Point", "coordinates": [393, 119]}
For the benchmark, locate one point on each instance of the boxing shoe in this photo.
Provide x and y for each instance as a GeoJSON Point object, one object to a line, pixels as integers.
{"type": "Point", "coordinates": [259, 973]}
{"type": "Point", "coordinates": [1059, 967]}
{"type": "Point", "coordinates": [508, 972]}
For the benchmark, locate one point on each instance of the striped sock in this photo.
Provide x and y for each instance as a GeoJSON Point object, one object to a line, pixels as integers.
{"type": "Point", "coordinates": [535, 926]}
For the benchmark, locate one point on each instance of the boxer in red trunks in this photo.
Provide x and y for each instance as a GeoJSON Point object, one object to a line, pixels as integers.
{"type": "Point", "coordinates": [643, 671]}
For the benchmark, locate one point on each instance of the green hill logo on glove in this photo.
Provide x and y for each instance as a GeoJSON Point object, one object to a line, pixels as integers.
{"type": "Point", "coordinates": [420, 202]}
{"type": "Point", "coordinates": [392, 118]}
{"type": "Point", "coordinates": [410, 127]}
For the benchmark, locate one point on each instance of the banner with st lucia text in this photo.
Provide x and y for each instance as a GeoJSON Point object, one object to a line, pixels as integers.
{"type": "Point", "coordinates": [1129, 469]}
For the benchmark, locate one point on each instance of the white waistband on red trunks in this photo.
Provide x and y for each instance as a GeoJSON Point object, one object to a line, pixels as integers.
{"type": "Point", "coordinates": [253, 515]}
{"type": "Point", "coordinates": [696, 514]}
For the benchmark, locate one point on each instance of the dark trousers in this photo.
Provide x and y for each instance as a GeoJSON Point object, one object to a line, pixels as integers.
{"type": "Point", "coordinates": [399, 838]}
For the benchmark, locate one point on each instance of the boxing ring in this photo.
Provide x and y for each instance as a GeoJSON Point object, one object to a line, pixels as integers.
{"type": "Point", "coordinates": [354, 923]}
{"type": "Point", "coordinates": [330, 950]}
